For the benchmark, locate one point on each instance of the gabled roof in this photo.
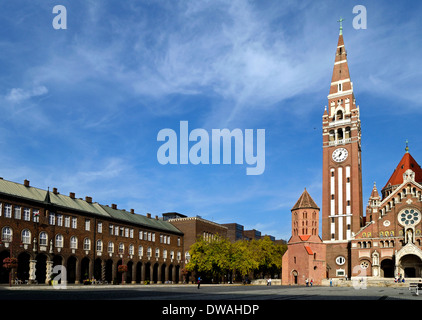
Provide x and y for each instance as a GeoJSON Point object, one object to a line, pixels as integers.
{"type": "Point", "coordinates": [305, 202]}
{"type": "Point", "coordinates": [407, 162]}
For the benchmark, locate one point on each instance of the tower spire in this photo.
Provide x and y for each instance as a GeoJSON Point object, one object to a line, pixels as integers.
{"type": "Point", "coordinates": [407, 146]}
{"type": "Point", "coordinates": [341, 26]}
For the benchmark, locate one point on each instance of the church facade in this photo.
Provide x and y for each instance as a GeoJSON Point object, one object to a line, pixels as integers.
{"type": "Point", "coordinates": [385, 242]}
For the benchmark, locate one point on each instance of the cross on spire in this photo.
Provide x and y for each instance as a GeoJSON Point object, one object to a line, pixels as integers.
{"type": "Point", "coordinates": [341, 25]}
{"type": "Point", "coordinates": [407, 146]}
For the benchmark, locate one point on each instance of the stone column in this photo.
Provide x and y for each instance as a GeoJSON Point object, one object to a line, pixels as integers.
{"type": "Point", "coordinates": [173, 274]}
{"type": "Point", "coordinates": [133, 273]}
{"type": "Point", "coordinates": [159, 274]}
{"type": "Point", "coordinates": [78, 272]}
{"type": "Point", "coordinates": [166, 274]}
{"type": "Point", "coordinates": [142, 273]}
{"type": "Point", "coordinates": [32, 269]}
{"type": "Point", "coordinates": [48, 271]}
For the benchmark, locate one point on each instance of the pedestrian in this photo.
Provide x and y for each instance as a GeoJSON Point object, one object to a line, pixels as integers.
{"type": "Point", "coordinates": [312, 282]}
{"type": "Point", "coordinates": [307, 282]}
{"type": "Point", "coordinates": [269, 281]}
{"type": "Point", "coordinates": [331, 282]}
{"type": "Point", "coordinates": [199, 281]}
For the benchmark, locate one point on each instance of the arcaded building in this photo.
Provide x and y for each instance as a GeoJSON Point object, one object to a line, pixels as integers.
{"type": "Point", "coordinates": [44, 228]}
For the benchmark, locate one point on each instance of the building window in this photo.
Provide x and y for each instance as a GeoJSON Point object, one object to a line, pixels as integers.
{"type": "Point", "coordinates": [140, 235]}
{"type": "Point", "coordinates": [6, 234]}
{"type": "Point", "coordinates": [74, 222]}
{"type": "Point", "coordinates": [131, 249]}
{"type": "Point", "coordinates": [179, 255]}
{"type": "Point", "coordinates": [110, 247]}
{"type": "Point", "coordinates": [131, 233]}
{"type": "Point", "coordinates": [17, 212]}
{"type": "Point", "coordinates": [99, 245]}
{"type": "Point", "coordinates": [7, 210]}
{"type": "Point", "coordinates": [26, 214]}
{"type": "Point", "coordinates": [121, 248]}
{"type": "Point", "coordinates": [340, 260]}
{"type": "Point", "coordinates": [165, 254]}
{"type": "Point", "coordinates": [87, 244]}
{"type": "Point", "coordinates": [140, 251]}
{"type": "Point", "coordinates": [157, 252]}
{"type": "Point", "coordinates": [172, 255]}
{"type": "Point", "coordinates": [52, 218]}
{"type": "Point", "coordinates": [43, 238]}
{"type": "Point", "coordinates": [67, 222]}
{"type": "Point", "coordinates": [60, 220]}
{"type": "Point", "coordinates": [73, 242]}
{"type": "Point", "coordinates": [149, 252]}
{"type": "Point", "coordinates": [87, 225]}
{"type": "Point", "coordinates": [178, 241]}
{"type": "Point", "coordinates": [110, 229]}
{"type": "Point", "coordinates": [26, 236]}
{"type": "Point", "coordinates": [100, 227]}
{"type": "Point", "coordinates": [59, 241]}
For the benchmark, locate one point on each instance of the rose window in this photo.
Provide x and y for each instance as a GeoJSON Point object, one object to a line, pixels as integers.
{"type": "Point", "coordinates": [409, 217]}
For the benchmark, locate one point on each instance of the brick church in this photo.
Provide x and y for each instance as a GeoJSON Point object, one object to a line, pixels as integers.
{"type": "Point", "coordinates": [385, 242]}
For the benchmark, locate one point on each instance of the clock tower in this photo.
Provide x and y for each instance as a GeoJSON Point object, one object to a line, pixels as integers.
{"type": "Point", "coordinates": [342, 212]}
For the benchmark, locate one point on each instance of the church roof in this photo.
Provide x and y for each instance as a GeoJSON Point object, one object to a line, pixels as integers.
{"type": "Point", "coordinates": [305, 201]}
{"type": "Point", "coordinates": [407, 162]}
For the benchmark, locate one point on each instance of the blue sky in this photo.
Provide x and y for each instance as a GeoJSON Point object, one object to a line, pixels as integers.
{"type": "Point", "coordinates": [81, 108]}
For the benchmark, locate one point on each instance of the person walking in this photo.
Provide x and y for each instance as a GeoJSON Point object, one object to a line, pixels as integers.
{"type": "Point", "coordinates": [199, 281]}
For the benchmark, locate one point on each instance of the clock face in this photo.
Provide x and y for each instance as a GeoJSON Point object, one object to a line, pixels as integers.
{"type": "Point", "coordinates": [340, 154]}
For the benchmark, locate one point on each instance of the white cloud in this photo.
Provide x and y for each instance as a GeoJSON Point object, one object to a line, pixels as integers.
{"type": "Point", "coordinates": [18, 95]}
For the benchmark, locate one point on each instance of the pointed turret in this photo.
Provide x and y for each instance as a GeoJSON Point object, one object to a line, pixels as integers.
{"type": "Point", "coordinates": [47, 196]}
{"type": "Point", "coordinates": [305, 201]}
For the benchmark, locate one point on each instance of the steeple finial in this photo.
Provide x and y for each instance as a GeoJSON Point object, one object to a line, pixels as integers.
{"type": "Point", "coordinates": [341, 25]}
{"type": "Point", "coordinates": [407, 146]}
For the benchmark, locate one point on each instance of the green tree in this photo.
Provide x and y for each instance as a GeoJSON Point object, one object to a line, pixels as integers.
{"type": "Point", "coordinates": [210, 258]}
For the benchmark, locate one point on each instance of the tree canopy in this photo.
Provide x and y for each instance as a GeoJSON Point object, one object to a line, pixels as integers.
{"type": "Point", "coordinates": [219, 257]}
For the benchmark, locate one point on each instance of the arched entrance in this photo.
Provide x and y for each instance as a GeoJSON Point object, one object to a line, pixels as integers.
{"type": "Point", "coordinates": [71, 269]}
{"type": "Point", "coordinates": [294, 275]}
{"type": "Point", "coordinates": [23, 266]}
{"type": "Point", "coordinates": [129, 272]}
{"type": "Point", "coordinates": [409, 261]}
{"type": "Point", "coordinates": [109, 271]}
{"type": "Point", "coordinates": [411, 265]}
{"type": "Point", "coordinates": [155, 273]}
{"type": "Point", "coordinates": [41, 268]}
{"type": "Point", "coordinates": [148, 272]}
{"type": "Point", "coordinates": [387, 268]}
{"type": "Point", "coordinates": [98, 269]}
{"type": "Point", "coordinates": [84, 269]}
